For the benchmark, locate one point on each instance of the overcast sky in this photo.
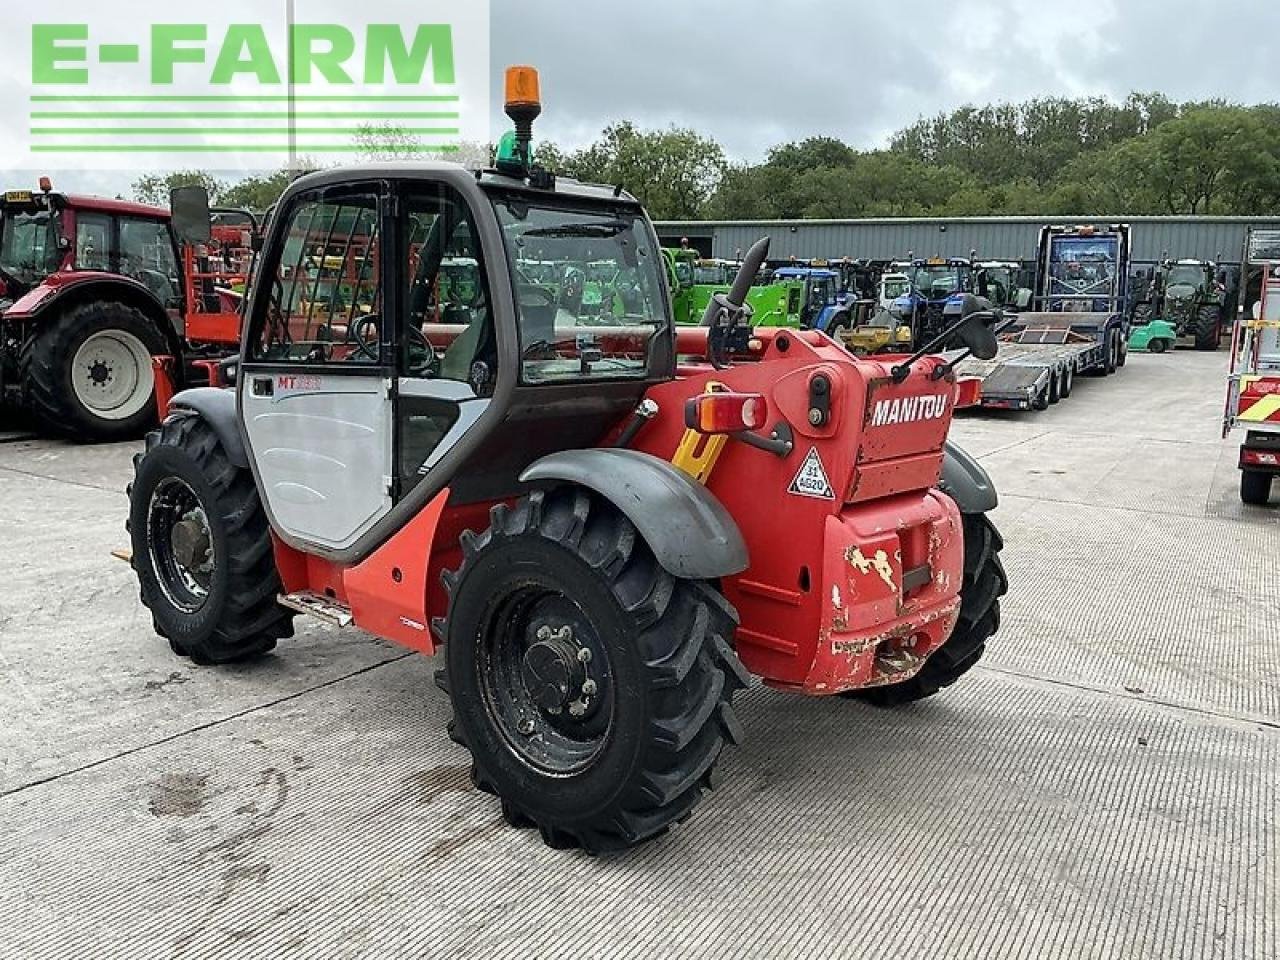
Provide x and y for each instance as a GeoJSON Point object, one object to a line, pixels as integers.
{"type": "Point", "coordinates": [754, 73]}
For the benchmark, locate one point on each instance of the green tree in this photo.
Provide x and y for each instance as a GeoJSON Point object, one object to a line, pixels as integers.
{"type": "Point", "coordinates": [155, 188]}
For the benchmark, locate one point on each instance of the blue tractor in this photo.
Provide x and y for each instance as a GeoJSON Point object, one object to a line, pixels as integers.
{"type": "Point", "coordinates": [933, 283]}
{"type": "Point", "coordinates": [825, 306]}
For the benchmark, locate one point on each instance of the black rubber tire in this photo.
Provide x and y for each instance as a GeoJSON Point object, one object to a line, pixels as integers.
{"type": "Point", "coordinates": [1158, 346]}
{"type": "Point", "coordinates": [668, 644]}
{"type": "Point", "coordinates": [240, 619]}
{"type": "Point", "coordinates": [1122, 350]}
{"type": "Point", "coordinates": [985, 583]}
{"type": "Point", "coordinates": [1041, 402]}
{"type": "Point", "coordinates": [1068, 382]}
{"type": "Point", "coordinates": [1113, 353]}
{"type": "Point", "coordinates": [45, 369]}
{"type": "Point", "coordinates": [1255, 488]}
{"type": "Point", "coordinates": [1055, 388]}
{"type": "Point", "coordinates": [1209, 328]}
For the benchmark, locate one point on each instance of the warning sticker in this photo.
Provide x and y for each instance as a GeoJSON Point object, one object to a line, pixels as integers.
{"type": "Point", "coordinates": [812, 480]}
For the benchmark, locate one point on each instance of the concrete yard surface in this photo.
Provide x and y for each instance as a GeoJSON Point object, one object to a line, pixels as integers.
{"type": "Point", "coordinates": [1103, 785]}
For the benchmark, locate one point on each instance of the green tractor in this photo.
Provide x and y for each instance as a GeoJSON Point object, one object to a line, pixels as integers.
{"type": "Point", "coordinates": [1192, 299]}
{"type": "Point", "coordinates": [695, 281]}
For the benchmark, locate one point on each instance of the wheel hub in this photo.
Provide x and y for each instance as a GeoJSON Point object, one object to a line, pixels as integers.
{"type": "Point", "coordinates": [553, 672]}
{"type": "Point", "coordinates": [190, 542]}
{"type": "Point", "coordinates": [100, 374]}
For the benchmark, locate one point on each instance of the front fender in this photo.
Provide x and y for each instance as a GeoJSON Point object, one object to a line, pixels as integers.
{"type": "Point", "coordinates": [690, 532]}
{"type": "Point", "coordinates": [217, 407]}
{"type": "Point", "coordinates": [966, 482]}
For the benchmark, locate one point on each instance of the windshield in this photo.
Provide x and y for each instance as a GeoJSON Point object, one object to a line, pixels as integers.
{"type": "Point", "coordinates": [936, 281]}
{"type": "Point", "coordinates": [896, 287]}
{"type": "Point", "coordinates": [28, 246]}
{"type": "Point", "coordinates": [1186, 275]}
{"type": "Point", "coordinates": [602, 312]}
{"type": "Point", "coordinates": [712, 275]}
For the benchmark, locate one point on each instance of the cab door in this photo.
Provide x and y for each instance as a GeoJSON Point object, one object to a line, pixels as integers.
{"type": "Point", "coordinates": [316, 387]}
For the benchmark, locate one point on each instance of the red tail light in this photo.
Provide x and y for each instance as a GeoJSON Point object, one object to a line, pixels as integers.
{"type": "Point", "coordinates": [716, 413]}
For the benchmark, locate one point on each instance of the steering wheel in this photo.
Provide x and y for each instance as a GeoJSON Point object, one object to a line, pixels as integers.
{"type": "Point", "coordinates": [423, 362]}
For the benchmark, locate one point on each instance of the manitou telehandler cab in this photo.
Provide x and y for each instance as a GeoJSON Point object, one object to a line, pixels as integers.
{"type": "Point", "coordinates": [609, 527]}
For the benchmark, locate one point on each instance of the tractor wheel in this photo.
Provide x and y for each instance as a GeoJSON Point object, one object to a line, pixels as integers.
{"type": "Point", "coordinates": [1255, 488]}
{"type": "Point", "coordinates": [1209, 328]}
{"type": "Point", "coordinates": [202, 548]}
{"type": "Point", "coordinates": [592, 688]}
{"type": "Point", "coordinates": [984, 584]}
{"type": "Point", "coordinates": [1158, 345]}
{"type": "Point", "coordinates": [88, 374]}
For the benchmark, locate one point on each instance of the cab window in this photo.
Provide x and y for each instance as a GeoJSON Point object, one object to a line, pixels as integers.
{"type": "Point", "coordinates": [146, 254]}
{"type": "Point", "coordinates": [449, 332]}
{"type": "Point", "coordinates": [601, 311]}
{"type": "Point", "coordinates": [324, 303]}
{"type": "Point", "coordinates": [93, 242]}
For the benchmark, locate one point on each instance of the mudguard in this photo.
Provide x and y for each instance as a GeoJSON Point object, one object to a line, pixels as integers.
{"type": "Point", "coordinates": [690, 532]}
{"type": "Point", "coordinates": [218, 409]}
{"type": "Point", "coordinates": [966, 482]}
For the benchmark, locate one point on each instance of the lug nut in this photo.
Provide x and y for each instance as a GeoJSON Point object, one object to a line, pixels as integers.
{"type": "Point", "coordinates": [526, 728]}
{"type": "Point", "coordinates": [577, 709]}
{"type": "Point", "coordinates": [589, 688]}
{"type": "Point", "coordinates": [584, 655]}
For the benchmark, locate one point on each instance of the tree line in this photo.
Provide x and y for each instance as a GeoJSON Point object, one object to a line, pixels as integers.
{"type": "Point", "coordinates": [1048, 156]}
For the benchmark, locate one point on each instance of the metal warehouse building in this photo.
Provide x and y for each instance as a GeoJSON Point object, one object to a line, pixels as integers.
{"type": "Point", "coordinates": [996, 238]}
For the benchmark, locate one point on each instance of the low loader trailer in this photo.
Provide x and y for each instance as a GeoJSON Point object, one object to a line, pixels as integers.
{"type": "Point", "coordinates": [1080, 326]}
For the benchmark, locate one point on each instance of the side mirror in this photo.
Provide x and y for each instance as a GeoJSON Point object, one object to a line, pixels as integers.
{"type": "Point", "coordinates": [974, 332]}
{"type": "Point", "coordinates": [229, 371]}
{"type": "Point", "coordinates": [189, 208]}
{"type": "Point", "coordinates": [1023, 299]}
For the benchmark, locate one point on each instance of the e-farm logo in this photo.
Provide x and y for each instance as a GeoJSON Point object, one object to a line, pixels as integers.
{"type": "Point", "coordinates": [242, 91]}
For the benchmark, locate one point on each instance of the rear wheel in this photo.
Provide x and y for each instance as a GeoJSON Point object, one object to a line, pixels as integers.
{"type": "Point", "coordinates": [1158, 345]}
{"type": "Point", "coordinates": [202, 548]}
{"type": "Point", "coordinates": [1068, 381]}
{"type": "Point", "coordinates": [1209, 328]}
{"type": "Point", "coordinates": [592, 688]}
{"type": "Point", "coordinates": [1055, 388]}
{"type": "Point", "coordinates": [1255, 488]}
{"type": "Point", "coordinates": [1113, 354]}
{"type": "Point", "coordinates": [89, 373]}
{"type": "Point", "coordinates": [984, 584]}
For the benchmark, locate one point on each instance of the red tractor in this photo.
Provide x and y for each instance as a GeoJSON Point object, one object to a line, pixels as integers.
{"type": "Point", "coordinates": [103, 312]}
{"type": "Point", "coordinates": [661, 515]}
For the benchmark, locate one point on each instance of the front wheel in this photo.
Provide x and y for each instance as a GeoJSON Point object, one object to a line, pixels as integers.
{"type": "Point", "coordinates": [202, 548]}
{"type": "Point", "coordinates": [1208, 329]}
{"type": "Point", "coordinates": [984, 584]}
{"type": "Point", "coordinates": [592, 687]}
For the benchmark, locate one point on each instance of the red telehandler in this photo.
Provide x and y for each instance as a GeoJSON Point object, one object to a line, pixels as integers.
{"type": "Point", "coordinates": [607, 525]}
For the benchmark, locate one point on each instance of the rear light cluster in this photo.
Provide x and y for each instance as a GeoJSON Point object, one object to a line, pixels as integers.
{"type": "Point", "coordinates": [725, 413]}
{"type": "Point", "coordinates": [1256, 458]}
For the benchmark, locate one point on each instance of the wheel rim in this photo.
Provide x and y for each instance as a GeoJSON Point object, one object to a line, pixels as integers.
{"type": "Point", "coordinates": [111, 375]}
{"type": "Point", "coordinates": [181, 544]}
{"type": "Point", "coordinates": [546, 679]}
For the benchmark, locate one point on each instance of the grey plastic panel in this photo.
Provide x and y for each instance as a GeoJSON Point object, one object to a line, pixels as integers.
{"type": "Point", "coordinates": [322, 448]}
{"type": "Point", "coordinates": [966, 482]}
{"type": "Point", "coordinates": [690, 532]}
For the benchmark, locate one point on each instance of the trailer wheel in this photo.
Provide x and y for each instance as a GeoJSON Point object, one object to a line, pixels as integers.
{"type": "Point", "coordinates": [1041, 401]}
{"type": "Point", "coordinates": [1113, 353]}
{"type": "Point", "coordinates": [592, 688]}
{"type": "Point", "coordinates": [1068, 381]}
{"type": "Point", "coordinates": [202, 548]}
{"type": "Point", "coordinates": [88, 373]}
{"type": "Point", "coordinates": [1055, 388]}
{"type": "Point", "coordinates": [1122, 348]}
{"type": "Point", "coordinates": [1208, 328]}
{"type": "Point", "coordinates": [1255, 488]}
{"type": "Point", "coordinates": [984, 584]}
